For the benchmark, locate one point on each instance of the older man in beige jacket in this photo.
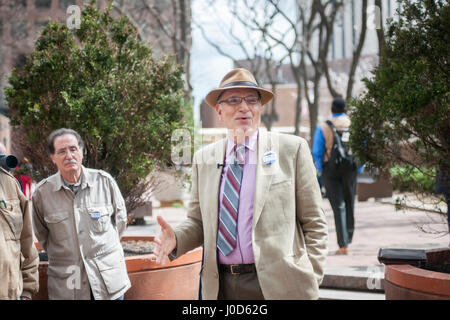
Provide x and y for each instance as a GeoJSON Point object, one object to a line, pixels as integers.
{"type": "Point", "coordinates": [79, 215]}
{"type": "Point", "coordinates": [19, 259]}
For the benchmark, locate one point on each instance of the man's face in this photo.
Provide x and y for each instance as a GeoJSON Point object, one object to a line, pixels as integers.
{"type": "Point", "coordinates": [68, 157]}
{"type": "Point", "coordinates": [244, 117]}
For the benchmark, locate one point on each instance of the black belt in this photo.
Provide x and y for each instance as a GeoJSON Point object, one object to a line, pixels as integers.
{"type": "Point", "coordinates": [237, 268]}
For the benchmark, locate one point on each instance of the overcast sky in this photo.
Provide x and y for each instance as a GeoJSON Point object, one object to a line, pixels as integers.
{"type": "Point", "coordinates": [208, 66]}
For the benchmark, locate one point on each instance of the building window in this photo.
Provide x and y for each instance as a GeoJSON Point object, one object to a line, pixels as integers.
{"type": "Point", "coordinates": [1, 28]}
{"type": "Point", "coordinates": [19, 29]}
{"type": "Point", "coordinates": [18, 3]}
{"type": "Point", "coordinates": [42, 3]}
{"type": "Point", "coordinates": [162, 5]}
{"type": "Point", "coordinates": [40, 24]}
{"type": "Point", "coordinates": [64, 4]}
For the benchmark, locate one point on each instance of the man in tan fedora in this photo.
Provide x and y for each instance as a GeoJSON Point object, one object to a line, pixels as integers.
{"type": "Point", "coordinates": [255, 206]}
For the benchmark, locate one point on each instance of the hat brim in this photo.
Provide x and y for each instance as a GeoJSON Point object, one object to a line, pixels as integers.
{"type": "Point", "coordinates": [213, 95]}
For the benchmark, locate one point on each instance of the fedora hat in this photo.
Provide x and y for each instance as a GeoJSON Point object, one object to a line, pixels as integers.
{"type": "Point", "coordinates": [238, 79]}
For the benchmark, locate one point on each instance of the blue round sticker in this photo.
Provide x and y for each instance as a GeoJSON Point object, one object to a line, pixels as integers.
{"type": "Point", "coordinates": [269, 157]}
{"type": "Point", "coordinates": [95, 215]}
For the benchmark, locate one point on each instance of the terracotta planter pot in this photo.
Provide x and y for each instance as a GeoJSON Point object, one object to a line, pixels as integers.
{"type": "Point", "coordinates": [406, 282]}
{"type": "Point", "coordinates": [177, 280]}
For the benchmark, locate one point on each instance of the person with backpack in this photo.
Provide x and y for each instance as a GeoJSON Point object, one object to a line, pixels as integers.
{"type": "Point", "coordinates": [338, 171]}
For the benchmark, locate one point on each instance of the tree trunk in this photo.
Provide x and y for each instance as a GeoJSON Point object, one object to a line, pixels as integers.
{"type": "Point", "coordinates": [298, 110]}
{"type": "Point", "coordinates": [314, 107]}
{"type": "Point", "coordinates": [357, 52]}
{"type": "Point", "coordinates": [380, 31]}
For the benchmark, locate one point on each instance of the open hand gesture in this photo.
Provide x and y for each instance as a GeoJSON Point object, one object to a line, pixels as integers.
{"type": "Point", "coordinates": [165, 241]}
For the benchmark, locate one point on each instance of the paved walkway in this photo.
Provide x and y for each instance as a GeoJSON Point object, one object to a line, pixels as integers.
{"type": "Point", "coordinates": [358, 275]}
{"type": "Point", "coordinates": [378, 225]}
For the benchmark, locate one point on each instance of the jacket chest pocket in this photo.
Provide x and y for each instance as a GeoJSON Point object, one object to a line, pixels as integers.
{"type": "Point", "coordinates": [59, 225]}
{"type": "Point", "coordinates": [14, 218]}
{"type": "Point", "coordinates": [100, 218]}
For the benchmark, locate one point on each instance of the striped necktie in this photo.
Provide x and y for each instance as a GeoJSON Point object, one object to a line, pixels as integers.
{"type": "Point", "coordinates": [226, 240]}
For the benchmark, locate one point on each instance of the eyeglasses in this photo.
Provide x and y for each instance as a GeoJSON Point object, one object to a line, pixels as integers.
{"type": "Point", "coordinates": [63, 152]}
{"type": "Point", "coordinates": [235, 101]}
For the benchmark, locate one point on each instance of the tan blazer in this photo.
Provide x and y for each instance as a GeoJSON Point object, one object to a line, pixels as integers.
{"type": "Point", "coordinates": [289, 232]}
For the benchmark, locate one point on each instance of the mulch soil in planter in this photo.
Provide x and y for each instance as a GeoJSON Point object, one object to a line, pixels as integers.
{"type": "Point", "coordinates": [137, 247]}
{"type": "Point", "coordinates": [130, 248]}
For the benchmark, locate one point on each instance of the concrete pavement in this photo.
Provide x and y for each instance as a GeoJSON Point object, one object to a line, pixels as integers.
{"type": "Point", "coordinates": [357, 275]}
{"type": "Point", "coordinates": [377, 225]}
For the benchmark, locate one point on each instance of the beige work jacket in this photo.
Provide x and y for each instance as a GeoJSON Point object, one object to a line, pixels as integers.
{"type": "Point", "coordinates": [19, 259]}
{"type": "Point", "coordinates": [81, 234]}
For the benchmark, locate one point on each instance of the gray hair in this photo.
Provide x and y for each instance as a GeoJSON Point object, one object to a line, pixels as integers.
{"type": "Point", "coordinates": [60, 132]}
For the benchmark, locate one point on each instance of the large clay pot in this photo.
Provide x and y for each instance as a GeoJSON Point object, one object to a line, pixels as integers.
{"type": "Point", "coordinates": [177, 280]}
{"type": "Point", "coordinates": [406, 282]}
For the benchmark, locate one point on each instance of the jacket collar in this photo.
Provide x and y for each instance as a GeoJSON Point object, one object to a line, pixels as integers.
{"type": "Point", "coordinates": [86, 179]}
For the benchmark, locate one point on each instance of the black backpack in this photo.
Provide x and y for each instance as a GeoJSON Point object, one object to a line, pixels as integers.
{"type": "Point", "coordinates": [341, 161]}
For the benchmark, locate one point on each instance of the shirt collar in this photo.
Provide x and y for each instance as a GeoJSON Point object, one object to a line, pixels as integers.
{"type": "Point", "coordinates": [250, 143]}
{"type": "Point", "coordinates": [334, 115]}
{"type": "Point", "coordinates": [85, 179]}
{"type": "Point", "coordinates": [67, 183]}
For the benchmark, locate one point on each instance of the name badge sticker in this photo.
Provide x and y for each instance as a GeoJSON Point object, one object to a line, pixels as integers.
{"type": "Point", "coordinates": [269, 157]}
{"type": "Point", "coordinates": [346, 136]}
{"type": "Point", "coordinates": [95, 215]}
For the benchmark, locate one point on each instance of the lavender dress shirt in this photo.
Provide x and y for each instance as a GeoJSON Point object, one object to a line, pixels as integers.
{"type": "Point", "coordinates": [243, 253]}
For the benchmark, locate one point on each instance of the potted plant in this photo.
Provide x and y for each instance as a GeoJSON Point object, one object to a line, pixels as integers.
{"type": "Point", "coordinates": [106, 84]}
{"type": "Point", "coordinates": [176, 280]}
{"type": "Point", "coordinates": [401, 125]}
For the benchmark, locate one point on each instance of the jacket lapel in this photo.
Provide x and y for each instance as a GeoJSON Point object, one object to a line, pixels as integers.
{"type": "Point", "coordinates": [213, 175]}
{"type": "Point", "coordinates": [264, 175]}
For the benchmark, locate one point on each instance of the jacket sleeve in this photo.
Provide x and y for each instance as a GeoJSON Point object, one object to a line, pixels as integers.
{"type": "Point", "coordinates": [309, 211]}
{"type": "Point", "coordinates": [189, 234]}
{"type": "Point", "coordinates": [318, 149]}
{"type": "Point", "coordinates": [30, 264]}
{"type": "Point", "coordinates": [120, 210]}
{"type": "Point", "coordinates": [39, 225]}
